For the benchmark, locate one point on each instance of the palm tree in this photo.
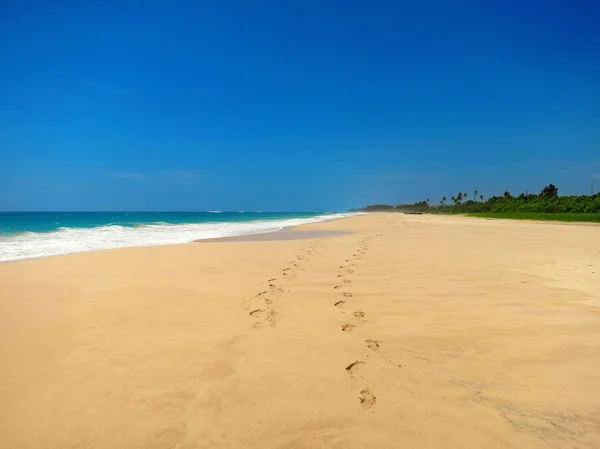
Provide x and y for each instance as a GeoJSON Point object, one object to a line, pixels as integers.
{"type": "Point", "coordinates": [475, 193]}
{"type": "Point", "coordinates": [507, 194]}
{"type": "Point", "coordinates": [453, 199]}
{"type": "Point", "coordinates": [443, 200]}
{"type": "Point", "coordinates": [459, 197]}
{"type": "Point", "coordinates": [481, 197]}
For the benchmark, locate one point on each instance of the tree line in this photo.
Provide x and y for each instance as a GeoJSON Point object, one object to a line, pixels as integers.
{"type": "Point", "coordinates": [547, 201]}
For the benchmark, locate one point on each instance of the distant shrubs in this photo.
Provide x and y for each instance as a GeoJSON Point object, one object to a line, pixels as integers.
{"type": "Point", "coordinates": [547, 201]}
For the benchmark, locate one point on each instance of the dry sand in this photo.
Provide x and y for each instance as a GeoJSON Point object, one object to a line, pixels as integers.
{"type": "Point", "coordinates": [412, 332]}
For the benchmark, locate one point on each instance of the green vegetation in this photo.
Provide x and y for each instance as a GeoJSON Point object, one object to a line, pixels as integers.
{"type": "Point", "coordinates": [547, 205]}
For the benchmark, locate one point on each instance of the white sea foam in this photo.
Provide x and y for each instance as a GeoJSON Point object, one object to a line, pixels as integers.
{"type": "Point", "coordinates": [76, 240]}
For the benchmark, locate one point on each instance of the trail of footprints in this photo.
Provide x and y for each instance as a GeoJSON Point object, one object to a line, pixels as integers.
{"type": "Point", "coordinates": [263, 306]}
{"type": "Point", "coordinates": [367, 397]}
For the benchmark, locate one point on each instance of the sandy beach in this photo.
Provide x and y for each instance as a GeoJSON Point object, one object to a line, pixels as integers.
{"type": "Point", "coordinates": [406, 332]}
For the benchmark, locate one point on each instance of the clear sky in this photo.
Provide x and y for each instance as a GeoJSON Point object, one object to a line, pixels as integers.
{"type": "Point", "coordinates": [293, 105]}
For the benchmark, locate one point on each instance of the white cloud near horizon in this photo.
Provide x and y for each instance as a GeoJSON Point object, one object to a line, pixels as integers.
{"type": "Point", "coordinates": [126, 175]}
{"type": "Point", "coordinates": [179, 175]}
{"type": "Point", "coordinates": [174, 175]}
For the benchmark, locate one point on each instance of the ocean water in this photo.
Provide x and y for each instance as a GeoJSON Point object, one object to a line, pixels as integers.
{"type": "Point", "coordinates": [25, 235]}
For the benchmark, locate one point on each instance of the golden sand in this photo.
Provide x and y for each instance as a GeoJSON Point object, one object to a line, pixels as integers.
{"type": "Point", "coordinates": [412, 332]}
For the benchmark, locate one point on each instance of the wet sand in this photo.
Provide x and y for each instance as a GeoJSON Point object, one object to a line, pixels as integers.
{"type": "Point", "coordinates": [284, 234]}
{"type": "Point", "coordinates": [409, 331]}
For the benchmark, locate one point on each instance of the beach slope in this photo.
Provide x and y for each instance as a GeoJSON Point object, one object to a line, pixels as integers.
{"type": "Point", "coordinates": [409, 331]}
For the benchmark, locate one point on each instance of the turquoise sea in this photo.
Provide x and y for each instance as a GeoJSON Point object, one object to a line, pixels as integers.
{"type": "Point", "coordinates": [36, 234]}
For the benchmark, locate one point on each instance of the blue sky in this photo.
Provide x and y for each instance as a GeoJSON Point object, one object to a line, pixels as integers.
{"type": "Point", "coordinates": [293, 105]}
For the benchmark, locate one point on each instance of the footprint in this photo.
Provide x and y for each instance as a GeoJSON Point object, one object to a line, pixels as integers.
{"type": "Point", "coordinates": [337, 286]}
{"type": "Point", "coordinates": [262, 293]}
{"type": "Point", "coordinates": [340, 275]}
{"type": "Point", "coordinates": [348, 327]}
{"type": "Point", "coordinates": [256, 313]}
{"type": "Point", "coordinates": [359, 314]}
{"type": "Point", "coordinates": [354, 366]}
{"type": "Point", "coordinates": [275, 289]}
{"type": "Point", "coordinates": [271, 280]}
{"type": "Point", "coordinates": [347, 295]}
{"type": "Point", "coordinates": [340, 303]}
{"type": "Point", "coordinates": [350, 271]}
{"type": "Point", "coordinates": [347, 281]}
{"type": "Point", "coordinates": [373, 344]}
{"type": "Point", "coordinates": [367, 399]}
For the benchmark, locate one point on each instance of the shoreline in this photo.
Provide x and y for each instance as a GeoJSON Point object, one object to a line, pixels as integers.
{"type": "Point", "coordinates": [321, 341]}
{"type": "Point", "coordinates": [287, 233]}
{"type": "Point", "coordinates": [243, 237]}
